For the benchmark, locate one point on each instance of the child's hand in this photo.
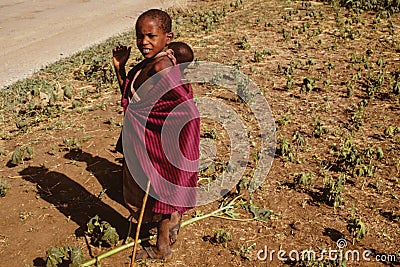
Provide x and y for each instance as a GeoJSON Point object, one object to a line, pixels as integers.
{"type": "Point", "coordinates": [120, 55]}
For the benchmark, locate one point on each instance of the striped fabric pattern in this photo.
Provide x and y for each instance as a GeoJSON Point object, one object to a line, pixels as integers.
{"type": "Point", "coordinates": [161, 136]}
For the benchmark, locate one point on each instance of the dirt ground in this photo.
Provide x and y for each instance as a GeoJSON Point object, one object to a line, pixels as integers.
{"type": "Point", "coordinates": [329, 76]}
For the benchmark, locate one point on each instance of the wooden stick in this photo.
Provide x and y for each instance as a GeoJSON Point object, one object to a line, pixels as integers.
{"type": "Point", "coordinates": [140, 224]}
{"type": "Point", "coordinates": [129, 229]}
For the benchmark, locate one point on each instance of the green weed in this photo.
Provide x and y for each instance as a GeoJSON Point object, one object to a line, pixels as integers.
{"type": "Point", "coordinates": [71, 144]}
{"type": "Point", "coordinates": [308, 85]}
{"type": "Point", "coordinates": [329, 65]}
{"type": "Point", "coordinates": [67, 92]}
{"type": "Point", "coordinates": [4, 187]}
{"type": "Point", "coordinates": [357, 116]}
{"type": "Point", "coordinates": [236, 4]}
{"type": "Point", "coordinates": [350, 33]}
{"type": "Point", "coordinates": [289, 83]}
{"type": "Point", "coordinates": [350, 88]}
{"type": "Point", "coordinates": [23, 215]}
{"type": "Point", "coordinates": [261, 214]}
{"type": "Point", "coordinates": [285, 150]}
{"type": "Point", "coordinates": [304, 180]}
{"type": "Point", "coordinates": [375, 82]}
{"type": "Point", "coordinates": [285, 119]}
{"type": "Point", "coordinates": [319, 128]}
{"type": "Point", "coordinates": [64, 256]}
{"type": "Point", "coordinates": [357, 229]}
{"type": "Point", "coordinates": [222, 237]}
{"type": "Point", "coordinates": [244, 43]}
{"type": "Point", "coordinates": [333, 190]}
{"type": "Point", "coordinates": [299, 139]}
{"type": "Point", "coordinates": [97, 69]}
{"type": "Point", "coordinates": [212, 133]}
{"type": "Point", "coordinates": [260, 55]}
{"type": "Point", "coordinates": [391, 131]}
{"type": "Point", "coordinates": [396, 86]}
{"type": "Point", "coordinates": [359, 6]}
{"type": "Point", "coordinates": [206, 20]}
{"type": "Point", "coordinates": [357, 163]}
{"type": "Point", "coordinates": [19, 155]}
{"type": "Point", "coordinates": [286, 34]}
{"type": "Point", "coordinates": [246, 184]}
{"type": "Point", "coordinates": [244, 251]}
{"type": "Point", "coordinates": [101, 232]}
{"type": "Point", "coordinates": [243, 93]}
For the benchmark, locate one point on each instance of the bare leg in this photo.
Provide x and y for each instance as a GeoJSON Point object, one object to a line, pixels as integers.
{"type": "Point", "coordinates": [163, 235]}
{"type": "Point", "coordinates": [174, 226]}
{"type": "Point", "coordinates": [162, 250]}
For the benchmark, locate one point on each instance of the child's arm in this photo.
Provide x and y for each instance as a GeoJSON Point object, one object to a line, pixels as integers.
{"type": "Point", "coordinates": [160, 64]}
{"type": "Point", "coordinates": [120, 57]}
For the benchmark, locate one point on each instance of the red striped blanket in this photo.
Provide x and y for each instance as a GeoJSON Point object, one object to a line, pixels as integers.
{"type": "Point", "coordinates": [161, 136]}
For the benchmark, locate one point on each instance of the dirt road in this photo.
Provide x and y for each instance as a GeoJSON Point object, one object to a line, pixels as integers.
{"type": "Point", "coordinates": [36, 33]}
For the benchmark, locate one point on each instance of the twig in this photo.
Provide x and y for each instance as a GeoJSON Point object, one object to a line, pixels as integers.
{"type": "Point", "coordinates": [110, 153]}
{"type": "Point", "coordinates": [233, 219]}
{"type": "Point", "coordinates": [230, 205]}
{"type": "Point", "coordinates": [19, 176]}
{"type": "Point", "coordinates": [140, 224]}
{"type": "Point", "coordinates": [114, 251]}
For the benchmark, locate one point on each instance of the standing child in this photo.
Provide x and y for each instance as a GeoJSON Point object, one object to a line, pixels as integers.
{"type": "Point", "coordinates": [172, 185]}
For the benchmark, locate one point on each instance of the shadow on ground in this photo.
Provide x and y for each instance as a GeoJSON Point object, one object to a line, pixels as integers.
{"type": "Point", "coordinates": [72, 199]}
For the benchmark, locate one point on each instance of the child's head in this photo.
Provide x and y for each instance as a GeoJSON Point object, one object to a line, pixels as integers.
{"type": "Point", "coordinates": [182, 52]}
{"type": "Point", "coordinates": [153, 32]}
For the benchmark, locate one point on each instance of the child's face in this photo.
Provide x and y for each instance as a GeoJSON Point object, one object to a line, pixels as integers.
{"type": "Point", "coordinates": [150, 38]}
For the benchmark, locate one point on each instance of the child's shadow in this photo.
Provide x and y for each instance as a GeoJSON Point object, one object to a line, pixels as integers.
{"type": "Point", "coordinates": [73, 200]}
{"type": "Point", "coordinates": [107, 173]}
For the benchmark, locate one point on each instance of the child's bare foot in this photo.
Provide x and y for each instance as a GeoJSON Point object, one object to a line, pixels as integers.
{"type": "Point", "coordinates": [162, 250]}
{"type": "Point", "coordinates": [153, 253]}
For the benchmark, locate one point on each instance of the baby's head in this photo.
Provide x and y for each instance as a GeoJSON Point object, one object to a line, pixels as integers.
{"type": "Point", "coordinates": [153, 32]}
{"type": "Point", "coordinates": [182, 52]}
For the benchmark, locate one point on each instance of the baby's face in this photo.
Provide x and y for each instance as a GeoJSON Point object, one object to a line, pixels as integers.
{"type": "Point", "coordinates": [150, 38]}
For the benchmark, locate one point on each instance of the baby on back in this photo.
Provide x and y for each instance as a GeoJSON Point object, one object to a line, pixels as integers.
{"type": "Point", "coordinates": [182, 52]}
